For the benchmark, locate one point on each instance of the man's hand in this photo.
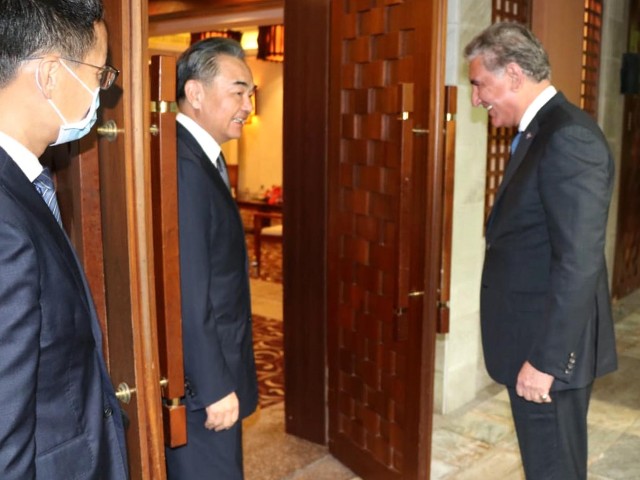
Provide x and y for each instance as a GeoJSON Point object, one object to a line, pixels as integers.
{"type": "Point", "coordinates": [533, 384]}
{"type": "Point", "coordinates": [223, 414]}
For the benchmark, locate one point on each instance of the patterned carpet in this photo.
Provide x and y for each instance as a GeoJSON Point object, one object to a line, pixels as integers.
{"type": "Point", "coordinates": [267, 345]}
{"type": "Point", "coordinates": [267, 332]}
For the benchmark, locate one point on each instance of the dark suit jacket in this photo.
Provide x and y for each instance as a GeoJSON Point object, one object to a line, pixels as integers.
{"type": "Point", "coordinates": [545, 295]}
{"type": "Point", "coordinates": [216, 305]}
{"type": "Point", "coordinates": [57, 406]}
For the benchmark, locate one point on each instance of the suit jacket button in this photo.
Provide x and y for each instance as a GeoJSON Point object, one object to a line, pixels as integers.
{"type": "Point", "coordinates": [567, 371]}
{"type": "Point", "coordinates": [108, 412]}
{"type": "Point", "coordinates": [488, 247]}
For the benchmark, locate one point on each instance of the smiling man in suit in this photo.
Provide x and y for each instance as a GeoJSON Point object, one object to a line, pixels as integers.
{"type": "Point", "coordinates": [547, 327]}
{"type": "Point", "coordinates": [214, 89]}
{"type": "Point", "coordinates": [59, 417]}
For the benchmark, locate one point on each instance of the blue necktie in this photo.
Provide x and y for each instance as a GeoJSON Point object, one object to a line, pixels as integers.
{"type": "Point", "coordinates": [44, 186]}
{"type": "Point", "coordinates": [515, 141]}
{"type": "Point", "coordinates": [222, 168]}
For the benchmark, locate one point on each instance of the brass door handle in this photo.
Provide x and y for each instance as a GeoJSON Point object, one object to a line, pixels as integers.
{"type": "Point", "coordinates": [124, 393]}
{"type": "Point", "coordinates": [109, 130]}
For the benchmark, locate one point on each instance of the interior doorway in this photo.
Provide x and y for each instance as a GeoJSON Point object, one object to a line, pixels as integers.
{"type": "Point", "coordinates": [254, 163]}
{"type": "Point", "coordinates": [391, 117]}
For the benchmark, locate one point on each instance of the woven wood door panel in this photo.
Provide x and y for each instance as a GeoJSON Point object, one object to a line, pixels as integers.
{"type": "Point", "coordinates": [369, 233]}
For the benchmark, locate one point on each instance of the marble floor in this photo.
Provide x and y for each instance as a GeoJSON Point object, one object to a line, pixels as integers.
{"type": "Point", "coordinates": [478, 441]}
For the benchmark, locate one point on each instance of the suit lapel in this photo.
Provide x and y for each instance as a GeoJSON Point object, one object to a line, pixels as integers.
{"type": "Point", "coordinates": [520, 154]}
{"type": "Point", "coordinates": [516, 159]}
{"type": "Point", "coordinates": [18, 186]}
{"type": "Point", "coordinates": [207, 165]}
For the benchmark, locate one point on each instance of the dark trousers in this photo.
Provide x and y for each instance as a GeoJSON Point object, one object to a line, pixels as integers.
{"type": "Point", "coordinates": [553, 436]}
{"type": "Point", "coordinates": [208, 455]}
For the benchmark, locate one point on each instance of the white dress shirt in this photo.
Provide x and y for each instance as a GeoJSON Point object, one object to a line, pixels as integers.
{"type": "Point", "coordinates": [206, 141]}
{"type": "Point", "coordinates": [26, 160]}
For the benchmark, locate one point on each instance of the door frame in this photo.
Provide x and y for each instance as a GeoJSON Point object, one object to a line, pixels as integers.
{"type": "Point", "coordinates": [305, 165]}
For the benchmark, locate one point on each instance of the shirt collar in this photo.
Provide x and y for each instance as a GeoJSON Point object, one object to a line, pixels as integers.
{"type": "Point", "coordinates": [535, 106]}
{"type": "Point", "coordinates": [22, 156]}
{"type": "Point", "coordinates": [206, 141]}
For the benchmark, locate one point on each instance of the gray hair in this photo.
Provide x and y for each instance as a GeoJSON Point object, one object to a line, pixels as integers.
{"type": "Point", "coordinates": [506, 42]}
{"type": "Point", "coordinates": [30, 28]}
{"type": "Point", "coordinates": [200, 61]}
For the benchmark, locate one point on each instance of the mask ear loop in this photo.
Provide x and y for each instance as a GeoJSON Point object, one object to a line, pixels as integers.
{"type": "Point", "coordinates": [73, 74]}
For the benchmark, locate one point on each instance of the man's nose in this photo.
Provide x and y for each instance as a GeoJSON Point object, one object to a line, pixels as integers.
{"type": "Point", "coordinates": [247, 105]}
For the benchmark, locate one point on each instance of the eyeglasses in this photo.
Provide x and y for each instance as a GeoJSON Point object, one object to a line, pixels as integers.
{"type": "Point", "coordinates": [107, 74]}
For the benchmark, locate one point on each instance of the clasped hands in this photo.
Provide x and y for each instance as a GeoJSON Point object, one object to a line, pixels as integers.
{"type": "Point", "coordinates": [534, 385]}
{"type": "Point", "coordinates": [223, 414]}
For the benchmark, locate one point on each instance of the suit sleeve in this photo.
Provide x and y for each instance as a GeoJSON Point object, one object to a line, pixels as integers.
{"type": "Point", "coordinates": [20, 322]}
{"type": "Point", "coordinates": [575, 188]}
{"type": "Point", "coordinates": [205, 367]}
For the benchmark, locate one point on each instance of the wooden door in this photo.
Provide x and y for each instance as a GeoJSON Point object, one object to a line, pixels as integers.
{"type": "Point", "coordinates": [386, 123]}
{"type": "Point", "coordinates": [127, 238]}
{"type": "Point", "coordinates": [626, 270]}
{"type": "Point", "coordinates": [166, 248]}
{"type": "Point", "coordinates": [118, 199]}
{"type": "Point", "coordinates": [105, 201]}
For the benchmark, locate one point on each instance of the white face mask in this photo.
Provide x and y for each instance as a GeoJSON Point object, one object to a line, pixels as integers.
{"type": "Point", "coordinates": [74, 131]}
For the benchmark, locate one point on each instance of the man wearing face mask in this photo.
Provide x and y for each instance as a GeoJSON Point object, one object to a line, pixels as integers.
{"type": "Point", "coordinates": [59, 418]}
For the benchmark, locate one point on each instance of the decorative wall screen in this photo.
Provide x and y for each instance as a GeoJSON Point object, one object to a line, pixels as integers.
{"type": "Point", "coordinates": [592, 36]}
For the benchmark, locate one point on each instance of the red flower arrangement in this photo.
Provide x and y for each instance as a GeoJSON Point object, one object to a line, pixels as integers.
{"type": "Point", "coordinates": [273, 195]}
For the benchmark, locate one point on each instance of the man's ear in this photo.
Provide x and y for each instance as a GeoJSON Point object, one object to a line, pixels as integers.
{"type": "Point", "coordinates": [47, 73]}
{"type": "Point", "coordinates": [194, 93]}
{"type": "Point", "coordinates": [515, 74]}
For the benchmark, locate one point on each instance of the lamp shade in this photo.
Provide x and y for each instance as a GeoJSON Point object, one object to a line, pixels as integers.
{"type": "Point", "coordinates": [271, 43]}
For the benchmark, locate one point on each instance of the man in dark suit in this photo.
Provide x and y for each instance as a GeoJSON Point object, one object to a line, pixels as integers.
{"type": "Point", "coordinates": [57, 406]}
{"type": "Point", "coordinates": [214, 89]}
{"type": "Point", "coordinates": [547, 327]}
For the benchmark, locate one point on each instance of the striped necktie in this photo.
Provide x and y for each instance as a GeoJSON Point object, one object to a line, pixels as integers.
{"type": "Point", "coordinates": [222, 168]}
{"type": "Point", "coordinates": [44, 186]}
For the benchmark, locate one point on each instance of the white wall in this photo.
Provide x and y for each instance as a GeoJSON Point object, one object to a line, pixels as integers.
{"type": "Point", "coordinates": [611, 102]}
{"type": "Point", "coordinates": [460, 371]}
{"type": "Point", "coordinates": [259, 151]}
